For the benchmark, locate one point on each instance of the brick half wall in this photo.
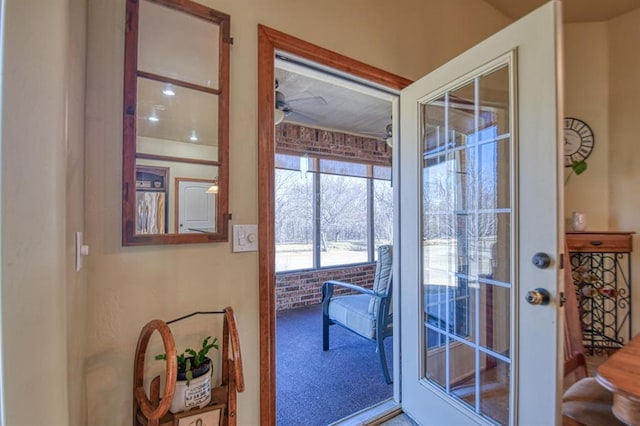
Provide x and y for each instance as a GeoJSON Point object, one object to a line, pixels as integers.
{"type": "Point", "coordinates": [299, 289]}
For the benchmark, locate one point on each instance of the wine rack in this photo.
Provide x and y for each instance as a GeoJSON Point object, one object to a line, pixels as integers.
{"type": "Point", "coordinates": [601, 270]}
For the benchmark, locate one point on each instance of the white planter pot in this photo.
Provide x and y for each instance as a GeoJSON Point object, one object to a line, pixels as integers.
{"type": "Point", "coordinates": [196, 395]}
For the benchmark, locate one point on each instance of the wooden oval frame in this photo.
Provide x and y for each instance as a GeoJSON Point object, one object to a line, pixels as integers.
{"type": "Point", "coordinates": [146, 403]}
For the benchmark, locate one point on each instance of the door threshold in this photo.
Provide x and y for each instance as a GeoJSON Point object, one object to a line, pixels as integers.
{"type": "Point", "coordinates": [374, 415]}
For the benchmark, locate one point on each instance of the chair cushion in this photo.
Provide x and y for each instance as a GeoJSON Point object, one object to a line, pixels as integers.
{"type": "Point", "coordinates": [353, 312]}
{"type": "Point", "coordinates": [381, 277]}
{"type": "Point", "coordinates": [589, 403]}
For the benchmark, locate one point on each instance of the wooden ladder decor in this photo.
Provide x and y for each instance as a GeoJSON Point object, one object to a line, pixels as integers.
{"type": "Point", "coordinates": [232, 374]}
{"type": "Point", "coordinates": [153, 410]}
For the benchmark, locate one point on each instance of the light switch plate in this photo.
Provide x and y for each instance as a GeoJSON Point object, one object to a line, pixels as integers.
{"type": "Point", "coordinates": [245, 238]}
{"type": "Point", "coordinates": [81, 250]}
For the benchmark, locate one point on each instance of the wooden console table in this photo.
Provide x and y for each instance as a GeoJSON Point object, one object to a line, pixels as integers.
{"type": "Point", "coordinates": [601, 270]}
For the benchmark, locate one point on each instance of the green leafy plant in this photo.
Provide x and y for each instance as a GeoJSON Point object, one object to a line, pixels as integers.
{"type": "Point", "coordinates": [577, 167]}
{"type": "Point", "coordinates": [190, 359]}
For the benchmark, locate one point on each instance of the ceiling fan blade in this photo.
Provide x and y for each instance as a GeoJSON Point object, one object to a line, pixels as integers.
{"type": "Point", "coordinates": [299, 118]}
{"type": "Point", "coordinates": [382, 135]}
{"type": "Point", "coordinates": [314, 99]}
{"type": "Point", "coordinates": [377, 135]}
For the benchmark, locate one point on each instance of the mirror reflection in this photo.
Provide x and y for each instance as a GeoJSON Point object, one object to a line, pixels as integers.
{"type": "Point", "coordinates": [178, 45]}
{"type": "Point", "coordinates": [169, 113]}
{"type": "Point", "coordinates": [193, 198]}
{"type": "Point", "coordinates": [176, 123]}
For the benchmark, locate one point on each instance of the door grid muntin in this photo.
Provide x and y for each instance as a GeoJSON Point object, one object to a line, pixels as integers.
{"type": "Point", "coordinates": [458, 299]}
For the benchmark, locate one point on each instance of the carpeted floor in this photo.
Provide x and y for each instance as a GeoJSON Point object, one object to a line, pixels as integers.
{"type": "Point", "coordinates": [316, 387]}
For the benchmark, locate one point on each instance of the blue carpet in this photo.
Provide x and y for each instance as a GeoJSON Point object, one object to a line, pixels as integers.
{"type": "Point", "coordinates": [315, 388]}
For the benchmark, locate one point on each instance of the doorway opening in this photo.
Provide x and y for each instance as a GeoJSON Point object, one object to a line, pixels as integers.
{"type": "Point", "coordinates": [271, 44]}
{"type": "Point", "coordinates": [333, 209]}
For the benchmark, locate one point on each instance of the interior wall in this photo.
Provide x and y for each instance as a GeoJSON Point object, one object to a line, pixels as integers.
{"type": "Point", "coordinates": [587, 98]}
{"type": "Point", "coordinates": [602, 64]}
{"type": "Point", "coordinates": [130, 286]}
{"type": "Point", "coordinates": [624, 154]}
{"type": "Point", "coordinates": [42, 198]}
{"type": "Point", "coordinates": [75, 282]}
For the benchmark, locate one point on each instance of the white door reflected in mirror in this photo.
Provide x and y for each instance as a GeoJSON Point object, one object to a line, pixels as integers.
{"type": "Point", "coordinates": [196, 206]}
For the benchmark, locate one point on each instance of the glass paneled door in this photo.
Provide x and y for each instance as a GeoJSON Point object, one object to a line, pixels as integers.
{"type": "Point", "coordinates": [479, 188]}
{"type": "Point", "coordinates": [466, 215]}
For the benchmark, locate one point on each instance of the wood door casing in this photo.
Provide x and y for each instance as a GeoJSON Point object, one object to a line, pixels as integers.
{"type": "Point", "coordinates": [270, 40]}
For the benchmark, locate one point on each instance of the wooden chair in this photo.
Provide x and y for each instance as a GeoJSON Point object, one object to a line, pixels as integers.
{"type": "Point", "coordinates": [367, 313]}
{"type": "Point", "coordinates": [585, 402]}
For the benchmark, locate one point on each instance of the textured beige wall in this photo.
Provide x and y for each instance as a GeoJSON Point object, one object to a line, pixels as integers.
{"type": "Point", "coordinates": [587, 98]}
{"type": "Point", "coordinates": [129, 286]}
{"type": "Point", "coordinates": [42, 198]}
{"type": "Point", "coordinates": [42, 151]}
{"type": "Point", "coordinates": [602, 65]}
{"type": "Point", "coordinates": [624, 152]}
{"type": "Point", "coordinates": [76, 282]}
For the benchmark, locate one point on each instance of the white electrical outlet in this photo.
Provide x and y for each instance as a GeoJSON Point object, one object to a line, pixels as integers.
{"type": "Point", "coordinates": [245, 238]}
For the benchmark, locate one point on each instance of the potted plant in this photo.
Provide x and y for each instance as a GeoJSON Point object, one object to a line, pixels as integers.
{"type": "Point", "coordinates": [577, 167]}
{"type": "Point", "coordinates": [193, 384]}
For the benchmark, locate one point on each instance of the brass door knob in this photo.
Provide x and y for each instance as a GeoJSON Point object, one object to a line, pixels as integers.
{"type": "Point", "coordinates": [538, 296]}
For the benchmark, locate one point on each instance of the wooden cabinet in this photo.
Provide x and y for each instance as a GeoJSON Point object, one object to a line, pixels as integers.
{"type": "Point", "coordinates": [149, 178]}
{"type": "Point", "coordinates": [601, 272]}
{"type": "Point", "coordinates": [599, 242]}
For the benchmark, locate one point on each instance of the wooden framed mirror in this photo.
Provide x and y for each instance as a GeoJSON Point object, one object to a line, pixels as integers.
{"type": "Point", "coordinates": [176, 123]}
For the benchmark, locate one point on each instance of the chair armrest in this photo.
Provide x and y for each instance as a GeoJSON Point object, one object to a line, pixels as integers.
{"type": "Point", "coordinates": [328, 285]}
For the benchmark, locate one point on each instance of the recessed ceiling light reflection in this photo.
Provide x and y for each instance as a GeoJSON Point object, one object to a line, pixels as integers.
{"type": "Point", "coordinates": [153, 118]}
{"type": "Point", "coordinates": [168, 91]}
